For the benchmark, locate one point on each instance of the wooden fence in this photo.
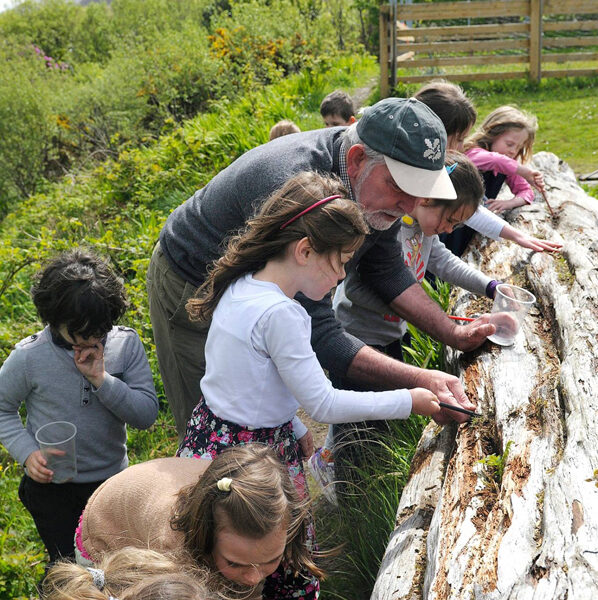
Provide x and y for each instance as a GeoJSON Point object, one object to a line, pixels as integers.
{"type": "Point", "coordinates": [530, 34]}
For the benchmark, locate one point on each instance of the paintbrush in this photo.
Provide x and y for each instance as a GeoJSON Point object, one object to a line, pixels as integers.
{"type": "Point", "coordinates": [547, 204]}
{"type": "Point", "coordinates": [465, 411]}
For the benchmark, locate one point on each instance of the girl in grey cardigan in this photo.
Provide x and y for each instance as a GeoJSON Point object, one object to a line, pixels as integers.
{"type": "Point", "coordinates": [82, 369]}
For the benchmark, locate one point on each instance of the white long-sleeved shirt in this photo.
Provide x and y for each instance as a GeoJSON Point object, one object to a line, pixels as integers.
{"type": "Point", "coordinates": [260, 366]}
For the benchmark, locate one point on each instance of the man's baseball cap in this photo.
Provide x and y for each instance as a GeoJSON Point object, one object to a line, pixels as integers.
{"type": "Point", "coordinates": [413, 141]}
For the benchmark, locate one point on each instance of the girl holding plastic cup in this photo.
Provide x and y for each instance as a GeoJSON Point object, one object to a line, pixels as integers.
{"type": "Point", "coordinates": [82, 370]}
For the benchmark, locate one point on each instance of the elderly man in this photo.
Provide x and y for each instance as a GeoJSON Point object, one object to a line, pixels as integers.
{"type": "Point", "coordinates": [389, 160]}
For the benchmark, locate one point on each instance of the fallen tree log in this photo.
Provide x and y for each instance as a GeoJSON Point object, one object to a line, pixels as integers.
{"type": "Point", "coordinates": [506, 507]}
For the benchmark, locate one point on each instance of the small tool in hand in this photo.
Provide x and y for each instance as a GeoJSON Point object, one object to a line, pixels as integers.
{"type": "Point", "coordinates": [465, 411]}
{"type": "Point", "coordinates": [456, 318]}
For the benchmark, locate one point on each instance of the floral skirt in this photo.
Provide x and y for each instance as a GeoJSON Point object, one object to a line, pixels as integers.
{"type": "Point", "coordinates": [208, 435]}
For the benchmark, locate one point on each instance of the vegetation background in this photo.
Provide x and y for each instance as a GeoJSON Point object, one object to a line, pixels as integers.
{"type": "Point", "coordinates": [113, 114]}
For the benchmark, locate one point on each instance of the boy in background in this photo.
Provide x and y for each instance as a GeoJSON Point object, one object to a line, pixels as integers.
{"type": "Point", "coordinates": [337, 109]}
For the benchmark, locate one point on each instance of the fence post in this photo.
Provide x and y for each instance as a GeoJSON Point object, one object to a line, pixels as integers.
{"type": "Point", "coordinates": [535, 40]}
{"type": "Point", "coordinates": [384, 41]}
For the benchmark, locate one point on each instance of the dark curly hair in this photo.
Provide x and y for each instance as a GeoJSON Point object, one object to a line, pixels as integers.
{"type": "Point", "coordinates": [79, 290]}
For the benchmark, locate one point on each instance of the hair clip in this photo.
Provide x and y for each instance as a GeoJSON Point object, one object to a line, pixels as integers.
{"type": "Point", "coordinates": [451, 168]}
{"type": "Point", "coordinates": [98, 577]}
{"type": "Point", "coordinates": [224, 484]}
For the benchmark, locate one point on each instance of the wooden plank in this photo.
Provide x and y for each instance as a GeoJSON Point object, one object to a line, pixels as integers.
{"type": "Point", "coordinates": [464, 76]}
{"type": "Point", "coordinates": [569, 7]}
{"type": "Point", "coordinates": [569, 25]}
{"type": "Point", "coordinates": [470, 46]}
{"type": "Point", "coordinates": [570, 73]}
{"type": "Point", "coordinates": [458, 10]}
{"type": "Point", "coordinates": [552, 57]}
{"type": "Point", "coordinates": [535, 41]}
{"type": "Point", "coordinates": [569, 42]}
{"type": "Point", "coordinates": [506, 59]}
{"type": "Point", "coordinates": [466, 31]}
{"type": "Point", "coordinates": [383, 31]}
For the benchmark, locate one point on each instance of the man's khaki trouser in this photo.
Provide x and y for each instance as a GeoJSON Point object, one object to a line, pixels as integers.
{"type": "Point", "coordinates": [180, 343]}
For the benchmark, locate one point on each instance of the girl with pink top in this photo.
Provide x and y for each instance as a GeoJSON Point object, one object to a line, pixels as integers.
{"type": "Point", "coordinates": [499, 149]}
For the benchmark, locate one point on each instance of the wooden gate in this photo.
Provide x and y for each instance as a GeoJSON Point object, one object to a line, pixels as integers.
{"type": "Point", "coordinates": [500, 39]}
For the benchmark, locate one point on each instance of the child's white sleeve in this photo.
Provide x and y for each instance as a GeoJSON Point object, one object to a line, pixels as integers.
{"type": "Point", "coordinates": [287, 338]}
{"type": "Point", "coordinates": [486, 222]}
{"type": "Point", "coordinates": [299, 428]}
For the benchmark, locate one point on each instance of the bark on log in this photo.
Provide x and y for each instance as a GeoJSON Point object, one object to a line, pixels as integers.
{"type": "Point", "coordinates": [460, 534]}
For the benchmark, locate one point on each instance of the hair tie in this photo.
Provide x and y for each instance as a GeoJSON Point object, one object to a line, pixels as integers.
{"type": "Point", "coordinates": [224, 484]}
{"type": "Point", "coordinates": [98, 577]}
{"type": "Point", "coordinates": [310, 208]}
{"type": "Point", "coordinates": [451, 168]}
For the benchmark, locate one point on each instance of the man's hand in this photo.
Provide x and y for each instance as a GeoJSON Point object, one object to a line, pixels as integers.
{"type": "Point", "coordinates": [306, 443]}
{"type": "Point", "coordinates": [36, 468]}
{"type": "Point", "coordinates": [89, 360]}
{"type": "Point", "coordinates": [447, 388]}
{"type": "Point", "coordinates": [472, 335]}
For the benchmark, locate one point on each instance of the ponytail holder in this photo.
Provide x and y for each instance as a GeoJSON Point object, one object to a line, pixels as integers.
{"type": "Point", "coordinates": [98, 577]}
{"type": "Point", "coordinates": [224, 484]}
{"type": "Point", "coordinates": [310, 208]}
{"type": "Point", "coordinates": [451, 168]}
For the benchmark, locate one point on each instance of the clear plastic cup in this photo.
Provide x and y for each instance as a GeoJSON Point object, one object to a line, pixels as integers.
{"type": "Point", "coordinates": [511, 304]}
{"type": "Point", "coordinates": [57, 444]}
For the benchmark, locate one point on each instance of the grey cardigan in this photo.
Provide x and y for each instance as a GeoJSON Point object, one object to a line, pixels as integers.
{"type": "Point", "coordinates": [44, 377]}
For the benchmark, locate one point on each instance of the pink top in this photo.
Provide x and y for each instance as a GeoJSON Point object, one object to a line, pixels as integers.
{"type": "Point", "coordinates": [485, 160]}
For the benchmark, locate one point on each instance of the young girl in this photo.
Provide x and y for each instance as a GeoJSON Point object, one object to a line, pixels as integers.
{"type": "Point", "coordinates": [238, 515]}
{"type": "Point", "coordinates": [458, 116]}
{"type": "Point", "coordinates": [83, 369]}
{"type": "Point", "coordinates": [126, 574]}
{"type": "Point", "coordinates": [260, 365]}
{"type": "Point", "coordinates": [499, 149]}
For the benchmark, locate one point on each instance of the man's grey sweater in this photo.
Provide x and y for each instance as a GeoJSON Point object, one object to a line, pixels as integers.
{"type": "Point", "coordinates": [195, 233]}
{"type": "Point", "coordinates": [44, 377]}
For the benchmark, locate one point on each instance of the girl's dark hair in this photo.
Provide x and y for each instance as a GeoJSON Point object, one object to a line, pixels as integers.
{"type": "Point", "coordinates": [261, 499]}
{"type": "Point", "coordinates": [467, 183]}
{"type": "Point", "coordinates": [449, 102]}
{"type": "Point", "coordinates": [79, 290]}
{"type": "Point", "coordinates": [335, 226]}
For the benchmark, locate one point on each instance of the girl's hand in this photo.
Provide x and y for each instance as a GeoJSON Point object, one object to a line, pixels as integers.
{"type": "Point", "coordinates": [538, 245]}
{"type": "Point", "coordinates": [424, 402]}
{"type": "Point", "coordinates": [306, 443]}
{"type": "Point", "coordinates": [36, 468]}
{"type": "Point", "coordinates": [499, 206]}
{"type": "Point", "coordinates": [533, 177]}
{"type": "Point", "coordinates": [89, 360]}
